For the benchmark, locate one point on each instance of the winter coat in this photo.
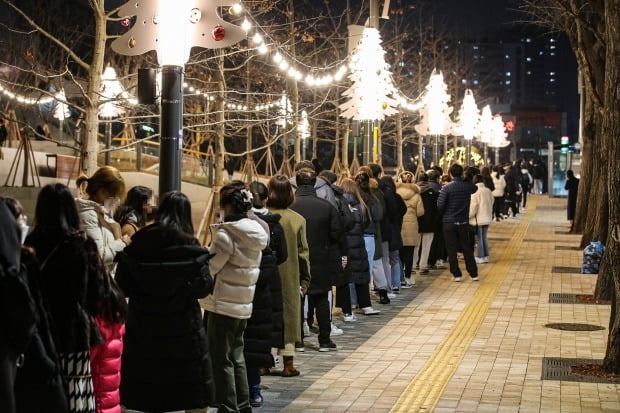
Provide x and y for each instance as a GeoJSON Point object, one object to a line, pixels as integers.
{"type": "Point", "coordinates": [513, 188]}
{"type": "Point", "coordinates": [454, 199]}
{"type": "Point", "coordinates": [72, 280]}
{"type": "Point", "coordinates": [165, 365]}
{"type": "Point", "coordinates": [357, 265]}
{"type": "Point", "coordinates": [237, 247]}
{"type": "Point", "coordinates": [430, 221]}
{"type": "Point", "coordinates": [324, 190]}
{"type": "Point", "coordinates": [264, 329]}
{"type": "Point", "coordinates": [97, 224]}
{"type": "Point", "coordinates": [326, 240]}
{"type": "Point", "coordinates": [105, 365]}
{"type": "Point", "coordinates": [500, 184]}
{"type": "Point", "coordinates": [481, 206]}
{"type": "Point", "coordinates": [415, 208]}
{"type": "Point", "coordinates": [572, 186]}
{"type": "Point", "coordinates": [380, 223]}
{"type": "Point", "coordinates": [346, 216]}
{"type": "Point", "coordinates": [294, 272]}
{"type": "Point", "coordinates": [40, 374]}
{"type": "Point", "coordinates": [386, 197]}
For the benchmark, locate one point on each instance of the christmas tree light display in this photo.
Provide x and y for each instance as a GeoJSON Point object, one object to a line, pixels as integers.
{"type": "Point", "coordinates": [370, 94]}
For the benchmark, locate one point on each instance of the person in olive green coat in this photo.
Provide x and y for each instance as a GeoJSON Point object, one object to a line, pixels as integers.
{"type": "Point", "coordinates": [295, 271]}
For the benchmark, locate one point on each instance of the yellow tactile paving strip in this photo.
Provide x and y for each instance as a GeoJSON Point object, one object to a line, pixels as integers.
{"type": "Point", "coordinates": [424, 391]}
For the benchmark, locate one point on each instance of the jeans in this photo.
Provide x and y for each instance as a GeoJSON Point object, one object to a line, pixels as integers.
{"type": "Point", "coordinates": [225, 336]}
{"type": "Point", "coordinates": [483, 241]}
{"type": "Point", "coordinates": [343, 299]}
{"type": "Point", "coordinates": [396, 269]}
{"type": "Point", "coordinates": [376, 266]}
{"type": "Point", "coordinates": [456, 236]}
{"type": "Point", "coordinates": [423, 249]}
{"type": "Point", "coordinates": [538, 186]}
{"type": "Point", "coordinates": [254, 382]}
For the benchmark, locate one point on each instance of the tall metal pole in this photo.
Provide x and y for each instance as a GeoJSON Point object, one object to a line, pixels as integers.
{"type": "Point", "coordinates": [108, 141]}
{"type": "Point", "coordinates": [171, 129]}
{"type": "Point", "coordinates": [436, 150]}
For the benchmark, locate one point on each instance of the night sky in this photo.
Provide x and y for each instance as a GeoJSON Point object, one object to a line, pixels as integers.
{"type": "Point", "coordinates": [476, 18]}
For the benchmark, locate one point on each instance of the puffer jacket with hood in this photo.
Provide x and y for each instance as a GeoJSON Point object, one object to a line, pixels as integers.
{"type": "Point", "coordinates": [324, 190]}
{"type": "Point", "coordinates": [415, 208]}
{"type": "Point", "coordinates": [237, 246]}
{"type": "Point", "coordinates": [98, 225]}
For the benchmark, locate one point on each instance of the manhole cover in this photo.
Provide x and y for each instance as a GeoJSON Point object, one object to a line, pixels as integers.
{"type": "Point", "coordinates": [567, 248]}
{"type": "Point", "coordinates": [562, 298]}
{"type": "Point", "coordinates": [556, 368]}
{"type": "Point", "coordinates": [574, 326]}
{"type": "Point", "coordinates": [566, 270]}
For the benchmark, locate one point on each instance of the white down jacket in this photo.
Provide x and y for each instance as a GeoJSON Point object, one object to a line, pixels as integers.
{"type": "Point", "coordinates": [481, 206]}
{"type": "Point", "coordinates": [102, 228]}
{"type": "Point", "coordinates": [237, 246]}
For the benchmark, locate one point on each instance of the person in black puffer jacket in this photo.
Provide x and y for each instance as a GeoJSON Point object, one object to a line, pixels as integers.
{"type": "Point", "coordinates": [264, 329]}
{"type": "Point", "coordinates": [165, 363]}
{"type": "Point", "coordinates": [358, 264]}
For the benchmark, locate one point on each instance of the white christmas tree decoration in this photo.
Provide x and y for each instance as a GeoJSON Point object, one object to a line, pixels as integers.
{"type": "Point", "coordinates": [304, 126]}
{"type": "Point", "coordinates": [111, 92]}
{"type": "Point", "coordinates": [173, 27]}
{"type": "Point", "coordinates": [486, 125]}
{"type": "Point", "coordinates": [467, 125]}
{"type": "Point", "coordinates": [498, 133]}
{"type": "Point", "coordinates": [435, 111]}
{"type": "Point", "coordinates": [61, 109]}
{"type": "Point", "coordinates": [370, 94]}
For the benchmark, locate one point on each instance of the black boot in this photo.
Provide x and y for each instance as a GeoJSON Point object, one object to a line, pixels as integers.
{"type": "Point", "coordinates": [383, 298]}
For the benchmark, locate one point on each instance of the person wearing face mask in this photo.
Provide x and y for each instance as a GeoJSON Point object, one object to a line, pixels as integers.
{"type": "Point", "coordinates": [98, 198]}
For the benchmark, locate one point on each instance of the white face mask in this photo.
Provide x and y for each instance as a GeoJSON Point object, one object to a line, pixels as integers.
{"type": "Point", "coordinates": [111, 203]}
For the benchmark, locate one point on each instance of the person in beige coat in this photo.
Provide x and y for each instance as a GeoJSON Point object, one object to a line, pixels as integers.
{"type": "Point", "coordinates": [295, 271]}
{"type": "Point", "coordinates": [410, 193]}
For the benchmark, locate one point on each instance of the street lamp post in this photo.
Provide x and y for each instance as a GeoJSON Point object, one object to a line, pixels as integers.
{"type": "Point", "coordinates": [173, 28]}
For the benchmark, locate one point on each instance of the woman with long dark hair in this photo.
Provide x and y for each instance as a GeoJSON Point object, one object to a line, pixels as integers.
{"type": "Point", "coordinates": [73, 283]}
{"type": "Point", "coordinates": [164, 272]}
{"type": "Point", "coordinates": [134, 213]}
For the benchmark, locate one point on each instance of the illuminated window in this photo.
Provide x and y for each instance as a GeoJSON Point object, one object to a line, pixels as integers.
{"type": "Point", "coordinates": [528, 59]}
{"type": "Point", "coordinates": [508, 74]}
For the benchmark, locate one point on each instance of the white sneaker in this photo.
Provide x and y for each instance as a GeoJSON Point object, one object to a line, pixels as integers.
{"type": "Point", "coordinates": [479, 260]}
{"type": "Point", "coordinates": [336, 331]}
{"type": "Point", "coordinates": [349, 317]}
{"type": "Point", "coordinates": [391, 295]}
{"type": "Point", "coordinates": [486, 260]}
{"type": "Point", "coordinates": [370, 311]}
{"type": "Point", "coordinates": [306, 329]}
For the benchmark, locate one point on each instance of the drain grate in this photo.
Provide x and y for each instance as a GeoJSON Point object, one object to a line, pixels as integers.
{"type": "Point", "coordinates": [567, 248]}
{"type": "Point", "coordinates": [566, 270]}
{"type": "Point", "coordinates": [562, 298]}
{"type": "Point", "coordinates": [556, 368]}
{"type": "Point", "coordinates": [574, 326]}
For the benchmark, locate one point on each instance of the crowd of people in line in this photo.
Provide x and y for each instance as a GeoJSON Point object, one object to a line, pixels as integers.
{"type": "Point", "coordinates": [111, 300]}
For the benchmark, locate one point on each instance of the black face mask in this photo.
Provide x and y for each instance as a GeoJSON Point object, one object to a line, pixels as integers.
{"type": "Point", "coordinates": [151, 216]}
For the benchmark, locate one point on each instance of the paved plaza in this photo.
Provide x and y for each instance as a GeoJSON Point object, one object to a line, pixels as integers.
{"type": "Point", "coordinates": [469, 347]}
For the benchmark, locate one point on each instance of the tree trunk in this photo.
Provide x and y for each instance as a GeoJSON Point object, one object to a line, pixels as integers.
{"type": "Point", "coordinates": [91, 115]}
{"type": "Point", "coordinates": [611, 131]}
{"type": "Point", "coordinates": [345, 144]}
{"type": "Point", "coordinates": [587, 166]}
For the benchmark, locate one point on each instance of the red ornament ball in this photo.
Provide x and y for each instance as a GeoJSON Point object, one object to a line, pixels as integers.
{"type": "Point", "coordinates": [218, 33]}
{"type": "Point", "coordinates": [125, 22]}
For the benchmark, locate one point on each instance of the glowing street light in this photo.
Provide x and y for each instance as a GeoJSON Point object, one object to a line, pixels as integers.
{"type": "Point", "coordinates": [172, 28]}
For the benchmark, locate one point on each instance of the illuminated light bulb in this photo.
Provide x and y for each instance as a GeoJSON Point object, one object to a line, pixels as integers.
{"type": "Point", "coordinates": [310, 80]}
{"type": "Point", "coordinates": [191, 89]}
{"type": "Point", "coordinates": [245, 107]}
{"type": "Point", "coordinates": [236, 8]}
{"type": "Point", "coordinates": [277, 57]}
{"type": "Point", "coordinates": [298, 76]}
{"type": "Point", "coordinates": [257, 38]}
{"type": "Point", "coordinates": [291, 72]}
{"type": "Point", "coordinates": [329, 79]}
{"type": "Point", "coordinates": [262, 49]}
{"type": "Point", "coordinates": [185, 84]}
{"type": "Point", "coordinates": [283, 65]}
{"type": "Point", "coordinates": [246, 25]}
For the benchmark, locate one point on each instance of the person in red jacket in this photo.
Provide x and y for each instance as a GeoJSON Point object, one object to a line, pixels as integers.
{"type": "Point", "coordinates": [105, 358]}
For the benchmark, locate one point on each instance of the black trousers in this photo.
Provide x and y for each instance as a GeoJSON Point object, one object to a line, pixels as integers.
{"type": "Point", "coordinates": [456, 236]}
{"type": "Point", "coordinates": [343, 297]}
{"type": "Point", "coordinates": [498, 206]}
{"type": "Point", "coordinates": [320, 303]}
{"type": "Point", "coordinates": [406, 257]}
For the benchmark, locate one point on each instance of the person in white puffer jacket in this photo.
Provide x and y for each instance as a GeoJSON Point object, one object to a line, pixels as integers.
{"type": "Point", "coordinates": [237, 245]}
{"type": "Point", "coordinates": [481, 216]}
{"type": "Point", "coordinates": [498, 193]}
{"type": "Point", "coordinates": [98, 196]}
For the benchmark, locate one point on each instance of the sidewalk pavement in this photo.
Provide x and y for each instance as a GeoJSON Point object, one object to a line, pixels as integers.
{"type": "Point", "coordinates": [466, 347]}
